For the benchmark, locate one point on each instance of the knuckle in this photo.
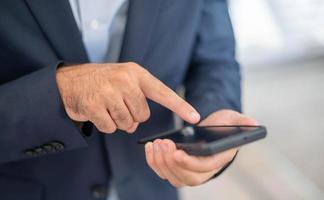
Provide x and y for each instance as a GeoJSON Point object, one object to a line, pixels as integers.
{"type": "Point", "coordinates": [143, 115]}
{"type": "Point", "coordinates": [176, 184]}
{"type": "Point", "coordinates": [101, 129]}
{"type": "Point", "coordinates": [110, 129]}
{"type": "Point", "coordinates": [123, 121]}
{"type": "Point", "coordinates": [130, 69]}
{"type": "Point", "coordinates": [124, 79]}
{"type": "Point", "coordinates": [138, 105]}
{"type": "Point", "coordinates": [121, 116]}
{"type": "Point", "coordinates": [84, 110]}
{"type": "Point", "coordinates": [118, 112]}
{"type": "Point", "coordinates": [132, 64]}
{"type": "Point", "coordinates": [99, 126]}
{"type": "Point", "coordinates": [130, 131]}
{"type": "Point", "coordinates": [137, 68]}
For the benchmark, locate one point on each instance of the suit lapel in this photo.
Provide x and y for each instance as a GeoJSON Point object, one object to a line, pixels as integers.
{"type": "Point", "coordinates": [141, 19]}
{"type": "Point", "coordinates": [56, 19]}
{"type": "Point", "coordinates": [58, 24]}
{"type": "Point", "coordinates": [142, 15]}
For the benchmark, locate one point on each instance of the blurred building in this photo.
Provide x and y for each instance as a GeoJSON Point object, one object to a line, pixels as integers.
{"type": "Point", "coordinates": [276, 30]}
{"type": "Point", "coordinates": [280, 45]}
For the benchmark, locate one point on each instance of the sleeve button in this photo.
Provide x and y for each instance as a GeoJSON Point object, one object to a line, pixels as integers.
{"type": "Point", "coordinates": [49, 148]}
{"type": "Point", "coordinates": [57, 145]}
{"type": "Point", "coordinates": [31, 153]}
{"type": "Point", "coordinates": [39, 151]}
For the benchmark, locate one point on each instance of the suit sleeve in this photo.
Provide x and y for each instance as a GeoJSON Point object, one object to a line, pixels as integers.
{"type": "Point", "coordinates": [213, 80]}
{"type": "Point", "coordinates": [33, 120]}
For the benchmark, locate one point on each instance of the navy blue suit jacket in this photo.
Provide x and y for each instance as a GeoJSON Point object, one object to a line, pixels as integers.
{"type": "Point", "coordinates": [43, 154]}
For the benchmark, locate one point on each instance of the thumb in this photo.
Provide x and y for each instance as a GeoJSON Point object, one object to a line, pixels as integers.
{"type": "Point", "coordinates": [244, 120]}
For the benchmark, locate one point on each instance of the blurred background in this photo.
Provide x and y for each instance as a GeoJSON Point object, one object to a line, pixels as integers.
{"type": "Point", "coordinates": [280, 45]}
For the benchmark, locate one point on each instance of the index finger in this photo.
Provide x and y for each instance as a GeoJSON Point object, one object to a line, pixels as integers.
{"type": "Point", "coordinates": [158, 92]}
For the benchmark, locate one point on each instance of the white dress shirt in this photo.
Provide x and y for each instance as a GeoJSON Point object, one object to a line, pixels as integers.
{"type": "Point", "coordinates": [102, 25]}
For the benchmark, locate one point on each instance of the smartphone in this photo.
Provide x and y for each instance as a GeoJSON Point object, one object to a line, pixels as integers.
{"type": "Point", "coordinates": [209, 140]}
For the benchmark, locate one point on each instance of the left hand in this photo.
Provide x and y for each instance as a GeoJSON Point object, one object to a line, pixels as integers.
{"type": "Point", "coordinates": [181, 169]}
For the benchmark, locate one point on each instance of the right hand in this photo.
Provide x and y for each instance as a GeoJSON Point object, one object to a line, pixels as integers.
{"type": "Point", "coordinates": [113, 96]}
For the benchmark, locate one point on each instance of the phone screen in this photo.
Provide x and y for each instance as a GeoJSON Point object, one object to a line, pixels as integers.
{"type": "Point", "coordinates": [208, 140]}
{"type": "Point", "coordinates": [195, 134]}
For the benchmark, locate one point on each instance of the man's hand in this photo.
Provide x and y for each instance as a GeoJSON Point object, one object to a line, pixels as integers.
{"type": "Point", "coordinates": [114, 95]}
{"type": "Point", "coordinates": [181, 169]}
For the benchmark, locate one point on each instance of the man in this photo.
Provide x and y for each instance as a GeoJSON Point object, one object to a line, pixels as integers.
{"type": "Point", "coordinates": [65, 64]}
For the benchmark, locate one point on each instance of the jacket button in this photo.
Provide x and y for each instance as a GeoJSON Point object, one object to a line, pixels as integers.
{"type": "Point", "coordinates": [39, 151]}
{"type": "Point", "coordinates": [49, 148]}
{"type": "Point", "coordinates": [31, 153]}
{"type": "Point", "coordinates": [99, 191]}
{"type": "Point", "coordinates": [57, 145]}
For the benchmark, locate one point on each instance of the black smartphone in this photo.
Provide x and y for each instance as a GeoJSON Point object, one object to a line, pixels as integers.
{"type": "Point", "coordinates": [209, 140]}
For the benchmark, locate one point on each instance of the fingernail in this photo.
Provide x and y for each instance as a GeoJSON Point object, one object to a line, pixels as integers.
{"type": "Point", "coordinates": [195, 116]}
